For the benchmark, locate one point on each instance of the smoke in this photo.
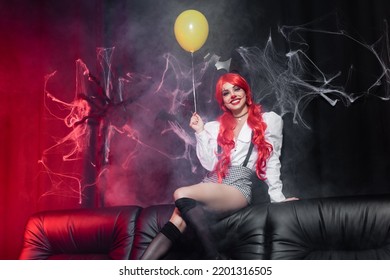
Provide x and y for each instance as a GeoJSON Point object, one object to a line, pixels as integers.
{"type": "Point", "coordinates": [142, 130]}
{"type": "Point", "coordinates": [288, 82]}
{"type": "Point", "coordinates": [141, 96]}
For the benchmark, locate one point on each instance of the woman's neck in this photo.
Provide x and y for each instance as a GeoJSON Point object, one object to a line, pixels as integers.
{"type": "Point", "coordinates": [241, 114]}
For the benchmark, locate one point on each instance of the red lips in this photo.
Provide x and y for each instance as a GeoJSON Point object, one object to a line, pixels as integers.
{"type": "Point", "coordinates": [235, 101]}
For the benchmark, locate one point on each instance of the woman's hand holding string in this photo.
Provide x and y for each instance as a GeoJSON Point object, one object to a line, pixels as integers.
{"type": "Point", "coordinates": [196, 123]}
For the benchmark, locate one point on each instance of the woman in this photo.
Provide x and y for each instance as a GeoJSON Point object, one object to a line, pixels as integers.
{"type": "Point", "coordinates": [243, 141]}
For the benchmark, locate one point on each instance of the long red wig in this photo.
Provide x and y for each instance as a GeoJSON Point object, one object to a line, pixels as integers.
{"type": "Point", "coordinates": [228, 122]}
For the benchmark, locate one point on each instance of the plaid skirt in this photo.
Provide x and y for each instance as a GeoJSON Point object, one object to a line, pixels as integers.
{"type": "Point", "coordinates": [239, 177]}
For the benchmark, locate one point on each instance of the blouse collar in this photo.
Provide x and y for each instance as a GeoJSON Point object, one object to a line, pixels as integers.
{"type": "Point", "coordinates": [245, 133]}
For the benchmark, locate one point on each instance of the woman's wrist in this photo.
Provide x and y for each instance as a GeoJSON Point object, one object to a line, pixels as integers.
{"type": "Point", "coordinates": [197, 131]}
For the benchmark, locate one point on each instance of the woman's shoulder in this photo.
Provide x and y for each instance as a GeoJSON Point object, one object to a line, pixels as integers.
{"type": "Point", "coordinates": [274, 122]}
{"type": "Point", "coordinates": [271, 118]}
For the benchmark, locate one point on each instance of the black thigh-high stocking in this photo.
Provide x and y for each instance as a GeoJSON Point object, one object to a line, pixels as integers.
{"type": "Point", "coordinates": [163, 241]}
{"type": "Point", "coordinates": [194, 215]}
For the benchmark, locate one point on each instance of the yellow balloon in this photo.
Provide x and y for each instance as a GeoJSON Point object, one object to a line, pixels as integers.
{"type": "Point", "coordinates": [191, 30]}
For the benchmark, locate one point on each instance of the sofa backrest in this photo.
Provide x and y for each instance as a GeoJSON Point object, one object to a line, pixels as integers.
{"type": "Point", "coordinates": [103, 233]}
{"type": "Point", "coordinates": [241, 235]}
{"type": "Point", "coordinates": [326, 228]}
{"type": "Point", "coordinates": [330, 228]}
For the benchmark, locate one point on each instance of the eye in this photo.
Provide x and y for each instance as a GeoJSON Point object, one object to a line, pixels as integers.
{"type": "Point", "coordinates": [236, 88]}
{"type": "Point", "coordinates": [224, 93]}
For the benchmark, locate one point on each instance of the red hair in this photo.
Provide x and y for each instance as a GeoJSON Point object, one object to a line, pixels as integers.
{"type": "Point", "coordinates": [228, 122]}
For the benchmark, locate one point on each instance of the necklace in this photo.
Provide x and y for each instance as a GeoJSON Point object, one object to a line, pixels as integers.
{"type": "Point", "coordinates": [239, 117]}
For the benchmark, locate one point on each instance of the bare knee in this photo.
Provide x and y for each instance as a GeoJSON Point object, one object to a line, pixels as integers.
{"type": "Point", "coordinates": [177, 220]}
{"type": "Point", "coordinates": [180, 193]}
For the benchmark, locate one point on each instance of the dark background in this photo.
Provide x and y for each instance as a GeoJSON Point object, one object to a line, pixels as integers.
{"type": "Point", "coordinates": [330, 151]}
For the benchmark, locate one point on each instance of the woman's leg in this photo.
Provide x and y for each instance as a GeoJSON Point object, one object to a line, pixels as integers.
{"type": "Point", "coordinates": [217, 197]}
{"type": "Point", "coordinates": [164, 240]}
{"type": "Point", "coordinates": [220, 198]}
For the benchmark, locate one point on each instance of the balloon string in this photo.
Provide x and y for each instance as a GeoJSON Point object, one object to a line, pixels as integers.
{"type": "Point", "coordinates": [193, 80]}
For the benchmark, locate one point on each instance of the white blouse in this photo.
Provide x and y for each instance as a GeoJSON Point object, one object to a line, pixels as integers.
{"type": "Point", "coordinates": [206, 148]}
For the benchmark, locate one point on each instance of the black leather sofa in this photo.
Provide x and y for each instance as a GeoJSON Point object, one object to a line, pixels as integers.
{"type": "Point", "coordinates": [324, 228]}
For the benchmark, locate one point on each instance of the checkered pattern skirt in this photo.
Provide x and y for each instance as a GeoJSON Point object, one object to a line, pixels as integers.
{"type": "Point", "coordinates": [238, 177]}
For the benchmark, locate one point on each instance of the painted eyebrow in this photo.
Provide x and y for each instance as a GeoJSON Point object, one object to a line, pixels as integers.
{"type": "Point", "coordinates": [232, 87]}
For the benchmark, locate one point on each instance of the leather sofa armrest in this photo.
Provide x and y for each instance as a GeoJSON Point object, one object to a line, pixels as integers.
{"type": "Point", "coordinates": [99, 233]}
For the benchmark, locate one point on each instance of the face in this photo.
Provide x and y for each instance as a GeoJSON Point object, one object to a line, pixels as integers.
{"type": "Point", "coordinates": [234, 97]}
